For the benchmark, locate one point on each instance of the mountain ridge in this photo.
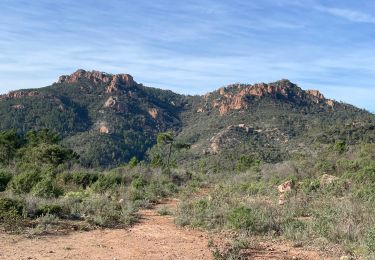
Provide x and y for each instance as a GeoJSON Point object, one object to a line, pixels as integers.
{"type": "Point", "coordinates": [109, 118]}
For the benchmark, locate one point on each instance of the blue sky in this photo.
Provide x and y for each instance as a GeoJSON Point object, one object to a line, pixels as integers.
{"type": "Point", "coordinates": [194, 46]}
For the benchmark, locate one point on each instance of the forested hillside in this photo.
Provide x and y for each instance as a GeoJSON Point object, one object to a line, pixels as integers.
{"type": "Point", "coordinates": [108, 119]}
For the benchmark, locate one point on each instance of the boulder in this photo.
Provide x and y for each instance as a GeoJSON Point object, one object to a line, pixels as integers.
{"type": "Point", "coordinates": [285, 187]}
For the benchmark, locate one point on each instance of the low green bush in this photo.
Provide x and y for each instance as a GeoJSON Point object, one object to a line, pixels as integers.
{"type": "Point", "coordinates": [7, 204]}
{"type": "Point", "coordinates": [309, 185]}
{"type": "Point", "coordinates": [107, 181]}
{"type": "Point", "coordinates": [248, 219]}
{"type": "Point", "coordinates": [12, 214]}
{"type": "Point", "coordinates": [46, 188]}
{"type": "Point", "coordinates": [24, 182]}
{"type": "Point", "coordinates": [53, 209]}
{"type": "Point", "coordinates": [83, 179]}
{"type": "Point", "coordinates": [139, 182]}
{"type": "Point", "coordinates": [294, 229]}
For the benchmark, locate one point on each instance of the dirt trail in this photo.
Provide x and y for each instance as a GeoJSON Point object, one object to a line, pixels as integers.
{"type": "Point", "coordinates": [155, 237]}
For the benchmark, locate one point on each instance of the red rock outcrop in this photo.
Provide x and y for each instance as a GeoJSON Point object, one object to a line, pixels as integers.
{"type": "Point", "coordinates": [114, 103]}
{"type": "Point", "coordinates": [113, 82]}
{"type": "Point", "coordinates": [318, 98]}
{"type": "Point", "coordinates": [20, 94]}
{"type": "Point", "coordinates": [233, 97]}
{"type": "Point", "coordinates": [153, 113]}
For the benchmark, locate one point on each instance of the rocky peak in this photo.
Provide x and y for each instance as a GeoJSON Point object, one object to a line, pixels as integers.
{"type": "Point", "coordinates": [233, 97]}
{"type": "Point", "coordinates": [113, 82]}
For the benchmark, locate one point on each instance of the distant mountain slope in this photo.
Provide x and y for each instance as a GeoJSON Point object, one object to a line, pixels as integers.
{"type": "Point", "coordinates": [106, 118]}
{"type": "Point", "coordinates": [268, 122]}
{"type": "Point", "coordinates": [110, 118]}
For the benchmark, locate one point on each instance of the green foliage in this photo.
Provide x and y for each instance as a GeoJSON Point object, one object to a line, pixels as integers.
{"type": "Point", "coordinates": [247, 162]}
{"type": "Point", "coordinates": [340, 146]}
{"type": "Point", "coordinates": [325, 166]}
{"type": "Point", "coordinates": [294, 229]}
{"type": "Point", "coordinates": [133, 162]}
{"type": "Point", "coordinates": [10, 141]}
{"type": "Point", "coordinates": [365, 175]}
{"type": "Point", "coordinates": [233, 252]}
{"type": "Point", "coordinates": [25, 181]}
{"type": "Point", "coordinates": [46, 188]}
{"type": "Point", "coordinates": [53, 154]}
{"type": "Point", "coordinates": [165, 138]}
{"type": "Point", "coordinates": [249, 219]}
{"type": "Point", "coordinates": [52, 209]}
{"type": "Point", "coordinates": [107, 181]}
{"type": "Point", "coordinates": [164, 211]}
{"type": "Point", "coordinates": [139, 182]}
{"type": "Point", "coordinates": [5, 178]}
{"type": "Point", "coordinates": [242, 218]}
{"type": "Point", "coordinates": [83, 179]}
{"type": "Point", "coordinates": [11, 214]}
{"type": "Point", "coordinates": [309, 185]}
{"type": "Point", "coordinates": [44, 136]}
{"type": "Point", "coordinates": [157, 160]}
{"type": "Point", "coordinates": [7, 204]}
{"type": "Point", "coordinates": [101, 211]}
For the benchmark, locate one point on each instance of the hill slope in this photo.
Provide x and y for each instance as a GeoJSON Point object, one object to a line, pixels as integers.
{"type": "Point", "coordinates": [269, 122]}
{"type": "Point", "coordinates": [110, 118]}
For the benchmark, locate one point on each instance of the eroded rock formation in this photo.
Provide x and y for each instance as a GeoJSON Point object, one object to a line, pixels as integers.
{"type": "Point", "coordinates": [112, 82]}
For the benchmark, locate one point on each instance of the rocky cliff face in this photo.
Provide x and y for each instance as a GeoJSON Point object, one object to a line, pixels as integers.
{"type": "Point", "coordinates": [236, 96]}
{"type": "Point", "coordinates": [112, 82]}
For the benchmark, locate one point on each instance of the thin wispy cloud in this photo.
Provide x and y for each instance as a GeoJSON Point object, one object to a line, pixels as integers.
{"type": "Point", "coordinates": [191, 46]}
{"type": "Point", "coordinates": [348, 14]}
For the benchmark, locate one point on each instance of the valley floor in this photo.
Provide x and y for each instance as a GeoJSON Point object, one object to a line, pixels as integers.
{"type": "Point", "coordinates": [155, 237]}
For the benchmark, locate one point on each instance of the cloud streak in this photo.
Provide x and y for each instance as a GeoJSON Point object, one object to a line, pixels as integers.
{"type": "Point", "coordinates": [348, 14]}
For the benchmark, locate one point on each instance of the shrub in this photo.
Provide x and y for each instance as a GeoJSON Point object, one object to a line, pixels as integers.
{"type": "Point", "coordinates": [365, 192]}
{"type": "Point", "coordinates": [82, 179]}
{"type": "Point", "coordinates": [5, 178]}
{"type": "Point", "coordinates": [293, 229]}
{"type": "Point", "coordinates": [53, 209]}
{"type": "Point", "coordinates": [339, 146]}
{"type": "Point", "coordinates": [365, 175]}
{"type": "Point", "coordinates": [77, 195]}
{"type": "Point", "coordinates": [133, 162]}
{"type": "Point", "coordinates": [24, 182]}
{"type": "Point", "coordinates": [249, 219]}
{"type": "Point", "coordinates": [107, 181]}
{"type": "Point", "coordinates": [326, 166]}
{"type": "Point", "coordinates": [46, 188]}
{"type": "Point", "coordinates": [163, 211]}
{"type": "Point", "coordinates": [7, 204]}
{"type": "Point", "coordinates": [309, 185]}
{"type": "Point", "coordinates": [139, 182]}
{"type": "Point", "coordinates": [45, 223]}
{"type": "Point", "coordinates": [11, 214]}
{"type": "Point", "coordinates": [101, 211]}
{"type": "Point", "coordinates": [242, 218]}
{"type": "Point", "coordinates": [233, 250]}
